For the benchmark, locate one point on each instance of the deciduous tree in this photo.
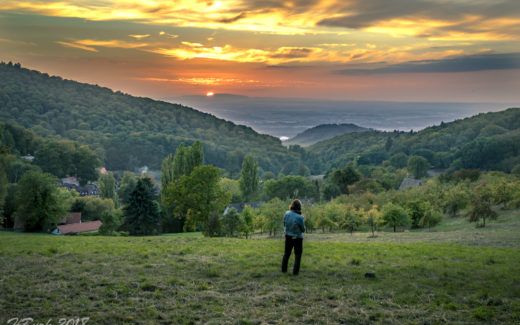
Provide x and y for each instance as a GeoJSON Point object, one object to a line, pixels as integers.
{"type": "Point", "coordinates": [39, 204]}
{"type": "Point", "coordinates": [249, 178]}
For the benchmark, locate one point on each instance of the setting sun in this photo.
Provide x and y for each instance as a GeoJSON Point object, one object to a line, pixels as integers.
{"type": "Point", "coordinates": [210, 93]}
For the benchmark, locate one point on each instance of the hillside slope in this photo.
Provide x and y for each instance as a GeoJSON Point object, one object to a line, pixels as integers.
{"type": "Point", "coordinates": [323, 132]}
{"type": "Point", "coordinates": [125, 131]}
{"type": "Point", "coordinates": [489, 141]}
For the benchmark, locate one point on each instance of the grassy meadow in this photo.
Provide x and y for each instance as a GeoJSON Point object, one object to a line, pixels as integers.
{"type": "Point", "coordinates": [454, 274]}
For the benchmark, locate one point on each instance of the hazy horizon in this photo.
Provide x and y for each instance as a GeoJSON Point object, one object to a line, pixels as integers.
{"type": "Point", "coordinates": [286, 117]}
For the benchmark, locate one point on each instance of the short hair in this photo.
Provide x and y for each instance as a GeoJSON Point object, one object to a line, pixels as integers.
{"type": "Point", "coordinates": [296, 206]}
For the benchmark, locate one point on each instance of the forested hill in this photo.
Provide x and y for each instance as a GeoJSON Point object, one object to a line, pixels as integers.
{"type": "Point", "coordinates": [125, 131]}
{"type": "Point", "coordinates": [489, 141]}
{"type": "Point", "coordinates": [323, 132]}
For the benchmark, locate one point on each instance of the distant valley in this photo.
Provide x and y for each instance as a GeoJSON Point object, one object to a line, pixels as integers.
{"type": "Point", "coordinates": [285, 118]}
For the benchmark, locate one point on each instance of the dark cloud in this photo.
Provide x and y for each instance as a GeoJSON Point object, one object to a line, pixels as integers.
{"type": "Point", "coordinates": [233, 19]}
{"type": "Point", "coordinates": [460, 64]}
{"type": "Point", "coordinates": [364, 13]}
{"type": "Point", "coordinates": [292, 54]}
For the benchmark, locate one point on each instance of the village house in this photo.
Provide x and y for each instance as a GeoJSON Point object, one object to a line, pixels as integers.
{"type": "Point", "coordinates": [409, 182]}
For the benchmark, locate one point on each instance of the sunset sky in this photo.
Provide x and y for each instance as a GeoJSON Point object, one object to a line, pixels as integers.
{"type": "Point", "coordinates": [398, 50]}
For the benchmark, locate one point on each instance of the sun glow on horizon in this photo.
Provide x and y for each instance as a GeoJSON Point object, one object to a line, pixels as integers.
{"type": "Point", "coordinates": [210, 94]}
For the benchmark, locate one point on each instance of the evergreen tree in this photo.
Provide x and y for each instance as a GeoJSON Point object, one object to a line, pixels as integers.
{"type": "Point", "coordinates": [142, 212]}
{"type": "Point", "coordinates": [249, 178]}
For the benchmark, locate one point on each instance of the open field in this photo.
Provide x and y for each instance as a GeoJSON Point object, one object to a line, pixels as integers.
{"type": "Point", "coordinates": [190, 279]}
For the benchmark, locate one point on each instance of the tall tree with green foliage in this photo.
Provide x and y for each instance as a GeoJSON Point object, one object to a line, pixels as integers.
{"type": "Point", "coordinates": [3, 186]}
{"type": "Point", "coordinates": [179, 161]}
{"type": "Point", "coordinates": [39, 203]}
{"type": "Point", "coordinates": [290, 187]}
{"type": "Point", "coordinates": [273, 212]}
{"type": "Point", "coordinates": [342, 178]}
{"type": "Point", "coordinates": [196, 196]}
{"type": "Point", "coordinates": [107, 187]}
{"type": "Point", "coordinates": [142, 211]}
{"type": "Point", "coordinates": [167, 174]}
{"type": "Point", "coordinates": [248, 178]}
{"type": "Point", "coordinates": [194, 157]}
{"type": "Point", "coordinates": [418, 167]}
{"type": "Point", "coordinates": [126, 187]}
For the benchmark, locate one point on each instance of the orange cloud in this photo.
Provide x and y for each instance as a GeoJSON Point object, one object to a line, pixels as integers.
{"type": "Point", "coordinates": [78, 46]}
{"type": "Point", "coordinates": [138, 37]}
{"type": "Point", "coordinates": [210, 81]}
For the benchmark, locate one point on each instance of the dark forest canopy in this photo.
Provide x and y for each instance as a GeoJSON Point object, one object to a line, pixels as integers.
{"type": "Point", "coordinates": [125, 131]}
{"type": "Point", "coordinates": [61, 158]}
{"type": "Point", "coordinates": [489, 141]}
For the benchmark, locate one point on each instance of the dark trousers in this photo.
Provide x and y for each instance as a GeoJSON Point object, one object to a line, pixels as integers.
{"type": "Point", "coordinates": [298, 250]}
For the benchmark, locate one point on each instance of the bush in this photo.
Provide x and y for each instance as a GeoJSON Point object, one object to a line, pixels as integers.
{"type": "Point", "coordinates": [111, 220]}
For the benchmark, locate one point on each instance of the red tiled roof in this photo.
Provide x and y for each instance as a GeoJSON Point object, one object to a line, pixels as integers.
{"type": "Point", "coordinates": [80, 227]}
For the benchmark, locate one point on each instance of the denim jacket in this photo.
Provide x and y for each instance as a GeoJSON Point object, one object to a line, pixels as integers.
{"type": "Point", "coordinates": [293, 224]}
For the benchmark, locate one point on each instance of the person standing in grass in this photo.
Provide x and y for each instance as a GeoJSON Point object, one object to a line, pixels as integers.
{"type": "Point", "coordinates": [294, 226]}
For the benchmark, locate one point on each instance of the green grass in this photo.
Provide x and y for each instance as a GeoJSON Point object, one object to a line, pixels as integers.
{"type": "Point", "coordinates": [191, 279]}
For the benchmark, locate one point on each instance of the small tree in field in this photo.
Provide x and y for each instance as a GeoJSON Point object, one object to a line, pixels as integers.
{"type": "Point", "coordinates": [273, 211]}
{"type": "Point", "coordinates": [481, 205]}
{"type": "Point", "coordinates": [395, 216]}
{"type": "Point", "coordinates": [503, 193]}
{"type": "Point", "coordinates": [246, 224]}
{"type": "Point", "coordinates": [230, 222]}
{"type": "Point", "coordinates": [373, 217]}
{"type": "Point", "coordinates": [325, 222]}
{"type": "Point", "coordinates": [213, 226]}
{"type": "Point", "coordinates": [351, 220]}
